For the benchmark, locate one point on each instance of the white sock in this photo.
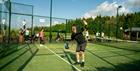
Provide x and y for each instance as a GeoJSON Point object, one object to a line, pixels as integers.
{"type": "Point", "coordinates": [83, 60]}
{"type": "Point", "coordinates": [78, 61]}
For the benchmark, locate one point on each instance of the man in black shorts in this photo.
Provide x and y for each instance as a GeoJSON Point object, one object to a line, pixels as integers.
{"type": "Point", "coordinates": [81, 44]}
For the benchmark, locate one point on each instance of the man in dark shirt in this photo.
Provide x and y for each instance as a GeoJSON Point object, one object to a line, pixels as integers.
{"type": "Point", "coordinates": [81, 44]}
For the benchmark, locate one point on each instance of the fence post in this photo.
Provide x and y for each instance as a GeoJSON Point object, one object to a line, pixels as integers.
{"type": "Point", "coordinates": [9, 29]}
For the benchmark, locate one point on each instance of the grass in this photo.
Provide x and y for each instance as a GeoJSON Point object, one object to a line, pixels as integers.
{"type": "Point", "coordinates": [98, 58]}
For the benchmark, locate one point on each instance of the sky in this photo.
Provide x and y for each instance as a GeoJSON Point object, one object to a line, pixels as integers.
{"type": "Point", "coordinates": [69, 9]}
{"type": "Point", "coordinates": [72, 9]}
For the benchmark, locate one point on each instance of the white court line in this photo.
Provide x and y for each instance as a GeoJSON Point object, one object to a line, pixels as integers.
{"type": "Point", "coordinates": [63, 59]}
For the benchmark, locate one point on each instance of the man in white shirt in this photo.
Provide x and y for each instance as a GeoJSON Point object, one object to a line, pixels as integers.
{"type": "Point", "coordinates": [27, 33]}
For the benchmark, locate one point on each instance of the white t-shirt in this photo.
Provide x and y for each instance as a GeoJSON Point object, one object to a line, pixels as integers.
{"type": "Point", "coordinates": [102, 34]}
{"type": "Point", "coordinates": [97, 34]}
{"type": "Point", "coordinates": [37, 35]}
{"type": "Point", "coordinates": [27, 32]}
{"type": "Point", "coordinates": [87, 34]}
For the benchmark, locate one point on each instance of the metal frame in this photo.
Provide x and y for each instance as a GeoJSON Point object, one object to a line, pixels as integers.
{"type": "Point", "coordinates": [9, 34]}
{"type": "Point", "coordinates": [50, 22]}
{"type": "Point", "coordinates": [32, 19]}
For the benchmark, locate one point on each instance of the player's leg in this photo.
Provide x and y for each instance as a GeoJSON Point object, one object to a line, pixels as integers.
{"type": "Point", "coordinates": [77, 57]}
{"type": "Point", "coordinates": [82, 59]}
{"type": "Point", "coordinates": [78, 54]}
{"type": "Point", "coordinates": [83, 46]}
{"type": "Point", "coordinates": [40, 40]}
{"type": "Point", "coordinates": [43, 40]}
{"type": "Point", "coordinates": [82, 56]}
{"type": "Point", "coordinates": [26, 38]}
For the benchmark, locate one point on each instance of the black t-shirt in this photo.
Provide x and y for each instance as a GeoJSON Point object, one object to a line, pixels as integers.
{"type": "Point", "coordinates": [78, 37]}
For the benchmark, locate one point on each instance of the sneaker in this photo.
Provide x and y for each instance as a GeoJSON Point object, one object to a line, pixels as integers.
{"type": "Point", "coordinates": [82, 64]}
{"type": "Point", "coordinates": [41, 45]}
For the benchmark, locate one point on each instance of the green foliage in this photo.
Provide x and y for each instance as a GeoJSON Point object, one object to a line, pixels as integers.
{"type": "Point", "coordinates": [106, 24]}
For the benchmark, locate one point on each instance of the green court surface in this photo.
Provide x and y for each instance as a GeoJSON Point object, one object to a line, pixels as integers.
{"type": "Point", "coordinates": [53, 57]}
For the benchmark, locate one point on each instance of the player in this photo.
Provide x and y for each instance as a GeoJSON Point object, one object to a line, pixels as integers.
{"type": "Point", "coordinates": [81, 45]}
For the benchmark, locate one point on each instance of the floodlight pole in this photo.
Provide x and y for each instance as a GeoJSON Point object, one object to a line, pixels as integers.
{"type": "Point", "coordinates": [121, 29]}
{"type": "Point", "coordinates": [117, 25]}
{"type": "Point", "coordinates": [9, 29]}
{"type": "Point", "coordinates": [50, 22]}
{"type": "Point", "coordinates": [32, 21]}
{"type": "Point", "coordinates": [0, 17]}
{"type": "Point", "coordinates": [66, 30]}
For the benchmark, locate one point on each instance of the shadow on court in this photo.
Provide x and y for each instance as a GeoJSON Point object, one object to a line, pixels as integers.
{"type": "Point", "coordinates": [70, 57]}
{"type": "Point", "coordinates": [133, 66]}
{"type": "Point", "coordinates": [129, 66]}
{"type": "Point", "coordinates": [122, 47]}
{"type": "Point", "coordinates": [10, 49]}
{"type": "Point", "coordinates": [15, 57]}
{"type": "Point", "coordinates": [100, 58]}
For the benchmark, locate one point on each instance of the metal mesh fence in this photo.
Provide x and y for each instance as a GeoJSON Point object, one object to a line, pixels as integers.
{"type": "Point", "coordinates": [20, 17]}
{"type": "Point", "coordinates": [58, 26]}
{"type": "Point", "coordinates": [21, 8]}
{"type": "Point", "coordinates": [4, 23]}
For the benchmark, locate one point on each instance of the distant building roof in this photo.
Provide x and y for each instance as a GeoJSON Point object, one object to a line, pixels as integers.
{"type": "Point", "coordinates": [136, 29]}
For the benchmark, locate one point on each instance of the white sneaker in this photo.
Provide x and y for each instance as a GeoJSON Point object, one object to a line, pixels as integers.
{"type": "Point", "coordinates": [41, 45]}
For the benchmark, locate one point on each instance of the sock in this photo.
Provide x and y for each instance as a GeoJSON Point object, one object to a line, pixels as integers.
{"type": "Point", "coordinates": [83, 60]}
{"type": "Point", "coordinates": [78, 61]}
